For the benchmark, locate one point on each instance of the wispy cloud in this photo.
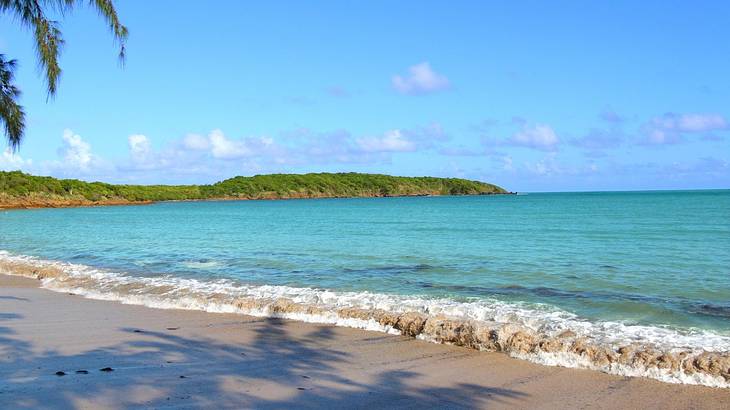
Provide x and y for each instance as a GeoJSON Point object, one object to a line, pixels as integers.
{"type": "Point", "coordinates": [196, 142]}
{"type": "Point", "coordinates": [337, 91]}
{"type": "Point", "coordinates": [549, 155]}
{"type": "Point", "coordinates": [672, 128]}
{"type": "Point", "coordinates": [708, 169]}
{"type": "Point", "coordinates": [428, 136]}
{"type": "Point", "coordinates": [421, 79]}
{"type": "Point", "coordinates": [599, 140]}
{"type": "Point", "coordinates": [539, 136]}
{"type": "Point", "coordinates": [76, 159]}
{"type": "Point", "coordinates": [10, 161]}
{"type": "Point", "coordinates": [139, 147]}
{"type": "Point", "coordinates": [390, 141]}
{"type": "Point", "coordinates": [611, 116]}
{"type": "Point", "coordinates": [691, 122]}
{"type": "Point", "coordinates": [547, 165]}
{"type": "Point", "coordinates": [460, 151]}
{"type": "Point", "coordinates": [219, 155]}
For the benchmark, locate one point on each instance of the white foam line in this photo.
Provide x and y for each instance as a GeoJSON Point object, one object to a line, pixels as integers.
{"type": "Point", "coordinates": [194, 294]}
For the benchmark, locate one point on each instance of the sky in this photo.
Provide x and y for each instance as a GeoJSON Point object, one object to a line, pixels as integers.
{"type": "Point", "coordinates": [532, 96]}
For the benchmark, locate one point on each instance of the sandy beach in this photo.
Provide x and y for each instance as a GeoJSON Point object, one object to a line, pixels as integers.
{"type": "Point", "coordinates": [189, 359]}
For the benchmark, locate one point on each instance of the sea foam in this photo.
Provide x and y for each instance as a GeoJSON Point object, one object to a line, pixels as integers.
{"type": "Point", "coordinates": [540, 334]}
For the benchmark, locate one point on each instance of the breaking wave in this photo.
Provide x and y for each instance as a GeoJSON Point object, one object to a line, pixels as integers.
{"type": "Point", "coordinates": [540, 334]}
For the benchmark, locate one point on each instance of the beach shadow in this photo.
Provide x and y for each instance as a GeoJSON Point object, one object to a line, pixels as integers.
{"type": "Point", "coordinates": [10, 346]}
{"type": "Point", "coordinates": [160, 369]}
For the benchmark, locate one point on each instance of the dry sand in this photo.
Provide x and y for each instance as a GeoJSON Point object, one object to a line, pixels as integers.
{"type": "Point", "coordinates": [190, 359]}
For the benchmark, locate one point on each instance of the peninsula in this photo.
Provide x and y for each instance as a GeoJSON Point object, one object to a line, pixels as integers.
{"type": "Point", "coordinates": [21, 190]}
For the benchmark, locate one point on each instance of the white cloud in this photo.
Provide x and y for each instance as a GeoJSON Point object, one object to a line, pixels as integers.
{"type": "Point", "coordinates": [670, 128]}
{"type": "Point", "coordinates": [215, 155]}
{"type": "Point", "coordinates": [195, 153]}
{"type": "Point", "coordinates": [221, 147]}
{"type": "Point", "coordinates": [507, 163]}
{"type": "Point", "coordinates": [76, 160]}
{"type": "Point", "coordinates": [225, 148]}
{"type": "Point", "coordinates": [428, 136]}
{"type": "Point", "coordinates": [421, 79]}
{"type": "Point", "coordinates": [139, 147]}
{"type": "Point", "coordinates": [597, 140]}
{"type": "Point", "coordinates": [460, 151]}
{"type": "Point", "coordinates": [540, 136]}
{"type": "Point", "coordinates": [76, 152]}
{"type": "Point", "coordinates": [660, 137]}
{"type": "Point", "coordinates": [196, 142]}
{"type": "Point", "coordinates": [10, 161]}
{"type": "Point", "coordinates": [690, 122]}
{"type": "Point", "coordinates": [174, 158]}
{"type": "Point", "coordinates": [545, 166]}
{"type": "Point", "coordinates": [391, 141]}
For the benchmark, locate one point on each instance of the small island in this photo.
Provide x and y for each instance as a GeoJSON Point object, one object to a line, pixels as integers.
{"type": "Point", "coordinates": [21, 190]}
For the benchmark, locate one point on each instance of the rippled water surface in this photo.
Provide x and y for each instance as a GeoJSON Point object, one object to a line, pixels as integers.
{"type": "Point", "coordinates": [648, 258]}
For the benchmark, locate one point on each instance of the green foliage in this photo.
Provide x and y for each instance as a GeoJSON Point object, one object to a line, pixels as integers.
{"type": "Point", "coordinates": [11, 113]}
{"type": "Point", "coordinates": [343, 185]}
{"type": "Point", "coordinates": [34, 14]}
{"type": "Point", "coordinates": [275, 186]}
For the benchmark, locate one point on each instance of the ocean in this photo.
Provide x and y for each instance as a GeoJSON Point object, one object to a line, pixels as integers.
{"type": "Point", "coordinates": [647, 270]}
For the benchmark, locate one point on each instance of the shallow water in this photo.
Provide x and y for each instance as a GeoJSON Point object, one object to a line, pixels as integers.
{"type": "Point", "coordinates": [624, 266]}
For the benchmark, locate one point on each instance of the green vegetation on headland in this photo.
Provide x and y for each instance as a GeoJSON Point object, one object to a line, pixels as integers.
{"type": "Point", "coordinates": [20, 190]}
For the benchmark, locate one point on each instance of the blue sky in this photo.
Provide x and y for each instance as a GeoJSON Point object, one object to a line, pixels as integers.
{"type": "Point", "coordinates": [533, 96]}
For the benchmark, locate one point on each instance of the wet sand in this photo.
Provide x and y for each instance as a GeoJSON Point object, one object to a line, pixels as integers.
{"type": "Point", "coordinates": [189, 359]}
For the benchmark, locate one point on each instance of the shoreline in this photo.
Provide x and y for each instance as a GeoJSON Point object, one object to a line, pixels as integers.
{"type": "Point", "coordinates": [48, 203]}
{"type": "Point", "coordinates": [169, 357]}
{"type": "Point", "coordinates": [25, 203]}
{"type": "Point", "coordinates": [567, 346]}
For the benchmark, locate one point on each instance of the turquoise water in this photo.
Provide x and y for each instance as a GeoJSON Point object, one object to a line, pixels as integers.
{"type": "Point", "coordinates": [657, 259]}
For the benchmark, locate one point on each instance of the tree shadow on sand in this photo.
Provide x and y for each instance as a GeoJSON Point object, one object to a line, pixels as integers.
{"type": "Point", "coordinates": [161, 369]}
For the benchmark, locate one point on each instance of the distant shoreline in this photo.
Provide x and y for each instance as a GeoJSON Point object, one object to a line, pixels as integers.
{"type": "Point", "coordinates": [39, 203]}
{"type": "Point", "coordinates": [19, 190]}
